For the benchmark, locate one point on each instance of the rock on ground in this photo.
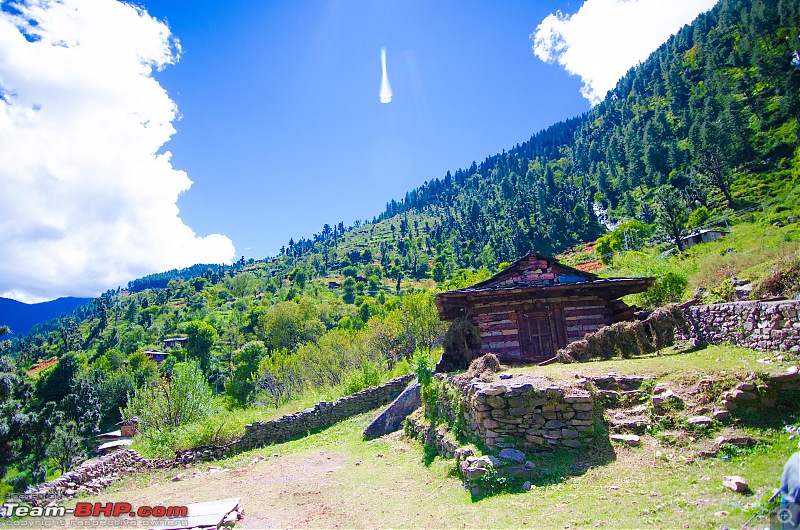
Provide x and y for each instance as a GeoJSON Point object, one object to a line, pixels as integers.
{"type": "Point", "coordinates": [735, 483]}
{"type": "Point", "coordinates": [392, 418]}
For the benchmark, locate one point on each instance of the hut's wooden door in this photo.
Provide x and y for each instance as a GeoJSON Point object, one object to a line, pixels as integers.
{"type": "Point", "coordinates": [538, 335]}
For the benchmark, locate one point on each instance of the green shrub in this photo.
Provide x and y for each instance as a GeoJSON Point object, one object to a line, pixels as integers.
{"type": "Point", "coordinates": [783, 280]}
{"type": "Point", "coordinates": [368, 377]}
{"type": "Point", "coordinates": [170, 403]}
{"type": "Point", "coordinates": [671, 277]}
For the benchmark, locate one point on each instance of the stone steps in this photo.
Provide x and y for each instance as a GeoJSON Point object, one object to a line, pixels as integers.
{"type": "Point", "coordinates": [629, 425]}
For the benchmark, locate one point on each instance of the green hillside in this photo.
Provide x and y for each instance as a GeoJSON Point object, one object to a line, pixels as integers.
{"type": "Point", "coordinates": [705, 131]}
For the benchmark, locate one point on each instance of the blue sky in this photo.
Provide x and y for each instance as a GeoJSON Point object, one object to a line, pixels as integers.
{"type": "Point", "coordinates": [282, 128]}
{"type": "Point", "coordinates": [138, 139]}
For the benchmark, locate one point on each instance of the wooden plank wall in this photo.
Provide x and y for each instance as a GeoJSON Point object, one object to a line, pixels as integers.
{"type": "Point", "coordinates": [497, 321]}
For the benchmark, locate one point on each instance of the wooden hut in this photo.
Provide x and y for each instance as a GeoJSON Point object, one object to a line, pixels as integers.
{"type": "Point", "coordinates": [537, 305]}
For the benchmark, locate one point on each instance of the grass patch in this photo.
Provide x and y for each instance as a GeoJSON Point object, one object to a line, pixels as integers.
{"type": "Point", "coordinates": [669, 365]}
{"type": "Point", "coordinates": [334, 478]}
{"type": "Point", "coordinates": [226, 424]}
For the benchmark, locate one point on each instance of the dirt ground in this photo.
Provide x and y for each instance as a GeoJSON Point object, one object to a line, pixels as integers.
{"type": "Point", "coordinates": [278, 492]}
{"type": "Point", "coordinates": [316, 486]}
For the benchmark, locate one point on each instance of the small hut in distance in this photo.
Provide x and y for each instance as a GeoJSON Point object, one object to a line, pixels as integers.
{"type": "Point", "coordinates": [534, 307]}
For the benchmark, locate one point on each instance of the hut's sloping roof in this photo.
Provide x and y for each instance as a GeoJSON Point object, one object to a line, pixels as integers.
{"type": "Point", "coordinates": [533, 276]}
{"type": "Point", "coordinates": [533, 270]}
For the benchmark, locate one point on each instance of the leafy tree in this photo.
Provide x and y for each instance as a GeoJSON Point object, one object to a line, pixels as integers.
{"type": "Point", "coordinates": [713, 166]}
{"type": "Point", "coordinates": [386, 337]}
{"type": "Point", "coordinates": [83, 407]}
{"type": "Point", "coordinates": [279, 377]}
{"type": "Point", "coordinates": [56, 384]}
{"type": "Point", "coordinates": [288, 324]}
{"type": "Point", "coordinates": [349, 286]}
{"type": "Point", "coordinates": [71, 335]}
{"type": "Point", "coordinates": [300, 278]}
{"type": "Point", "coordinates": [629, 235]}
{"type": "Point", "coordinates": [15, 395]}
{"type": "Point", "coordinates": [170, 403]}
{"type": "Point", "coordinates": [698, 217]}
{"type": "Point", "coordinates": [142, 368]}
{"type": "Point", "coordinates": [671, 214]}
{"type": "Point", "coordinates": [246, 360]}
{"type": "Point", "coordinates": [421, 319]}
{"type": "Point", "coordinates": [66, 447]}
{"type": "Point", "coordinates": [40, 428]}
{"type": "Point", "coordinates": [242, 284]}
{"type": "Point", "coordinates": [200, 338]}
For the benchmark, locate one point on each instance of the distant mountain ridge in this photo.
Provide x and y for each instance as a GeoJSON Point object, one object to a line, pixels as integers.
{"type": "Point", "coordinates": [21, 317]}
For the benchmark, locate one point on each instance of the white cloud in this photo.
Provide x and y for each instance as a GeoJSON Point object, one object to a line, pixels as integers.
{"type": "Point", "coordinates": [605, 38]}
{"type": "Point", "coordinates": [87, 204]}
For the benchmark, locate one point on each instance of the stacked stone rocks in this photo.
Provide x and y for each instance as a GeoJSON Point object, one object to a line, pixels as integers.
{"type": "Point", "coordinates": [750, 396]}
{"type": "Point", "coordinates": [206, 453]}
{"type": "Point", "coordinates": [764, 326]}
{"type": "Point", "coordinates": [526, 413]}
{"type": "Point", "coordinates": [322, 415]}
{"type": "Point", "coordinates": [93, 476]}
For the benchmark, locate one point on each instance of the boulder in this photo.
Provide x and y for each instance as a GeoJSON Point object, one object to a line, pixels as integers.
{"type": "Point", "coordinates": [472, 473]}
{"type": "Point", "coordinates": [488, 461]}
{"type": "Point", "coordinates": [789, 375]}
{"type": "Point", "coordinates": [462, 453]}
{"type": "Point", "coordinates": [740, 441]}
{"type": "Point", "coordinates": [392, 418]}
{"type": "Point", "coordinates": [666, 400]}
{"type": "Point", "coordinates": [512, 454]}
{"type": "Point", "coordinates": [720, 415]}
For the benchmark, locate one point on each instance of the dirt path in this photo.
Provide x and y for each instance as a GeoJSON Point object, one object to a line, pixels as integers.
{"type": "Point", "coordinates": [278, 492]}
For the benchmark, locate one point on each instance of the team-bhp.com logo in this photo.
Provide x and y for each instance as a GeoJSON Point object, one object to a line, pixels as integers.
{"type": "Point", "coordinates": [94, 509]}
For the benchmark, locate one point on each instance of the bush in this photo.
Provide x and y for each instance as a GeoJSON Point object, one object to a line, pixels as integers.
{"type": "Point", "coordinates": [170, 403]}
{"type": "Point", "coordinates": [18, 482]}
{"type": "Point", "coordinates": [671, 277]}
{"type": "Point", "coordinates": [784, 280]}
{"type": "Point", "coordinates": [368, 377]}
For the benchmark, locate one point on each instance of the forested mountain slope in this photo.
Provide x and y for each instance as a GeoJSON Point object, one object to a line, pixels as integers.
{"type": "Point", "coordinates": [708, 123]}
{"type": "Point", "coordinates": [716, 104]}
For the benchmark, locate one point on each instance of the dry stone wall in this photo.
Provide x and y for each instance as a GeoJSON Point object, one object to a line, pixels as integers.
{"type": "Point", "coordinates": [322, 415]}
{"type": "Point", "coordinates": [765, 326]}
{"type": "Point", "coordinates": [93, 476]}
{"type": "Point", "coordinates": [762, 396]}
{"type": "Point", "coordinates": [526, 413]}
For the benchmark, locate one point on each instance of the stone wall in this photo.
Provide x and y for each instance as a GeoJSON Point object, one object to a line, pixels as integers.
{"type": "Point", "coordinates": [762, 396]}
{"type": "Point", "coordinates": [322, 415]}
{"type": "Point", "coordinates": [765, 326]}
{"type": "Point", "coordinates": [524, 412]}
{"type": "Point", "coordinates": [93, 476]}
